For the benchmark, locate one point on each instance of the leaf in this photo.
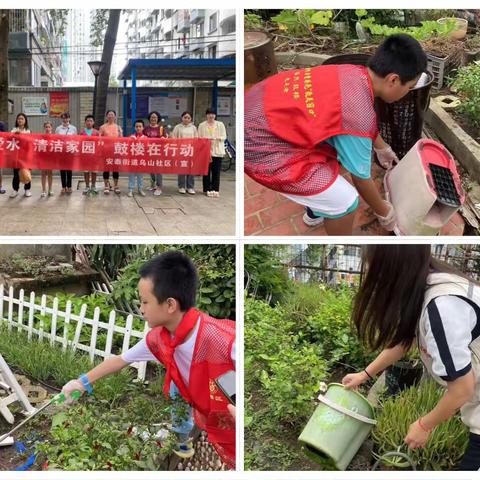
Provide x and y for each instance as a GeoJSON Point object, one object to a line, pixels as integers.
{"type": "Point", "coordinates": [59, 419]}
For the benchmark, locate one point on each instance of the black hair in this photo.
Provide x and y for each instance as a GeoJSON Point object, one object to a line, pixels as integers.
{"type": "Point", "coordinates": [210, 110]}
{"type": "Point", "coordinates": [156, 113]}
{"type": "Point", "coordinates": [2, 127]}
{"type": "Point", "coordinates": [26, 120]}
{"type": "Point", "coordinates": [400, 54]}
{"type": "Point", "coordinates": [173, 275]}
{"type": "Point", "coordinates": [89, 116]}
{"type": "Point", "coordinates": [389, 301]}
{"type": "Point", "coordinates": [139, 120]}
{"type": "Point", "coordinates": [65, 115]}
{"type": "Point", "coordinates": [186, 113]}
{"type": "Point", "coordinates": [108, 111]}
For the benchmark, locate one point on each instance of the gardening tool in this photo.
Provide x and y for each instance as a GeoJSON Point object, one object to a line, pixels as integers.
{"type": "Point", "coordinates": [424, 188]}
{"type": "Point", "coordinates": [338, 427]}
{"type": "Point", "coordinates": [9, 384]}
{"type": "Point", "coordinates": [58, 399]}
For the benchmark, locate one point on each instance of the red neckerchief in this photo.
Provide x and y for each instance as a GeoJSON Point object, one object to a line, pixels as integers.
{"type": "Point", "coordinates": [184, 328]}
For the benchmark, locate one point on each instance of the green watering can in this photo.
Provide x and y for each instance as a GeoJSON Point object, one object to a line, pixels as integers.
{"type": "Point", "coordinates": [338, 427]}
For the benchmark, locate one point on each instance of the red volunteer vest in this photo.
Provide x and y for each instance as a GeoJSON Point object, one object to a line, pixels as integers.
{"type": "Point", "coordinates": [211, 359]}
{"type": "Point", "coordinates": [289, 115]}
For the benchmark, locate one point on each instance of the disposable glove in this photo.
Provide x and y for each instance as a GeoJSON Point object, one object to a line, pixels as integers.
{"type": "Point", "coordinates": [386, 157]}
{"type": "Point", "coordinates": [389, 221]}
{"type": "Point", "coordinates": [70, 387]}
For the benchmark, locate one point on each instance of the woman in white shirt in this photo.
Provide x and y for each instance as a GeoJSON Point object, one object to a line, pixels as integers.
{"type": "Point", "coordinates": [186, 129]}
{"type": "Point", "coordinates": [215, 131]}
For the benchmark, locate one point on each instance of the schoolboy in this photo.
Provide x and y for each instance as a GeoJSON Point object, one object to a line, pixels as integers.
{"type": "Point", "coordinates": [302, 125]}
{"type": "Point", "coordinates": [139, 126]}
{"type": "Point", "coordinates": [194, 348]}
{"type": "Point", "coordinates": [90, 177]}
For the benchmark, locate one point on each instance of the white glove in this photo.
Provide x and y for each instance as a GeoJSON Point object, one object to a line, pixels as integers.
{"type": "Point", "coordinates": [386, 157]}
{"type": "Point", "coordinates": [70, 387]}
{"type": "Point", "coordinates": [389, 221]}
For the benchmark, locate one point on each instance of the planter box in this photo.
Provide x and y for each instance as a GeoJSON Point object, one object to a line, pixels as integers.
{"type": "Point", "coordinates": [462, 146]}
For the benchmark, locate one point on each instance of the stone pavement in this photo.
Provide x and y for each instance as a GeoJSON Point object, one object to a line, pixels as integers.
{"type": "Point", "coordinates": [171, 214]}
{"type": "Point", "coordinates": [269, 213]}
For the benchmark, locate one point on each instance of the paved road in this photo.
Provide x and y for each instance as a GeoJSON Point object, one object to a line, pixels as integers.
{"type": "Point", "coordinates": [114, 215]}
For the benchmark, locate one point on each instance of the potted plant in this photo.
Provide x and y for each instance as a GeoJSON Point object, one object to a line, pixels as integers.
{"type": "Point", "coordinates": [460, 30]}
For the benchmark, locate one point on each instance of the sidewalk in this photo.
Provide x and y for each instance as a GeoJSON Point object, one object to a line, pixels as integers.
{"type": "Point", "coordinates": [270, 213]}
{"type": "Point", "coordinates": [171, 214]}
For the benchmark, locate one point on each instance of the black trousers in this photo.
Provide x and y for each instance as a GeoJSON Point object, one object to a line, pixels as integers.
{"type": "Point", "coordinates": [66, 178]}
{"type": "Point", "coordinates": [106, 175]}
{"type": "Point", "coordinates": [471, 459]}
{"type": "Point", "coordinates": [16, 181]}
{"type": "Point", "coordinates": [211, 181]}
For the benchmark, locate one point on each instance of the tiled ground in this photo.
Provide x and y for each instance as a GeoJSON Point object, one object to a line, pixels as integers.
{"type": "Point", "coordinates": [269, 213]}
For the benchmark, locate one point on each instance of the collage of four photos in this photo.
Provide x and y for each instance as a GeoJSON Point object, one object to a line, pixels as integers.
{"type": "Point", "coordinates": [180, 255]}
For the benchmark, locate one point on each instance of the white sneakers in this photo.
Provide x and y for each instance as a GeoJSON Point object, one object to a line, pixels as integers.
{"type": "Point", "coordinates": [182, 191]}
{"type": "Point", "coordinates": [191, 191]}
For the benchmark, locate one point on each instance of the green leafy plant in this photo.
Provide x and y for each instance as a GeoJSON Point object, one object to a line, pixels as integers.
{"type": "Point", "coordinates": [252, 21]}
{"type": "Point", "coordinates": [302, 21]}
{"type": "Point", "coordinates": [467, 84]}
{"type": "Point", "coordinates": [447, 442]}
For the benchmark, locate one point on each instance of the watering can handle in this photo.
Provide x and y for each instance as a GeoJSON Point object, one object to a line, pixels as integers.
{"type": "Point", "coordinates": [345, 411]}
{"type": "Point", "coordinates": [394, 454]}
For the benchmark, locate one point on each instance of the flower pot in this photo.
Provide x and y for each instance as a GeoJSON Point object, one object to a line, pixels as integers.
{"type": "Point", "coordinates": [259, 57]}
{"type": "Point", "coordinates": [460, 31]}
{"type": "Point", "coordinates": [401, 376]}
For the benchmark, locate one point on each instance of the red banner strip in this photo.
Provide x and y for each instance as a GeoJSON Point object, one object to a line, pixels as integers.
{"type": "Point", "coordinates": [101, 154]}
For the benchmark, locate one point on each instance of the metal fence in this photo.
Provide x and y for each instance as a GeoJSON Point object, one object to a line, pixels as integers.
{"type": "Point", "coordinates": [341, 264]}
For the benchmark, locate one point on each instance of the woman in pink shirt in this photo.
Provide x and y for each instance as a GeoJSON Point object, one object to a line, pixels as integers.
{"type": "Point", "coordinates": [155, 130]}
{"type": "Point", "coordinates": [111, 129]}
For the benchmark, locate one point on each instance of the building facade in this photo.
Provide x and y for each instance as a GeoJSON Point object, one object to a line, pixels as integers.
{"type": "Point", "coordinates": [34, 52]}
{"type": "Point", "coordinates": [199, 33]}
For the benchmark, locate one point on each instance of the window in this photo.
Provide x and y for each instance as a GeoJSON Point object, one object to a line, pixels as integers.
{"type": "Point", "coordinates": [212, 51]}
{"type": "Point", "coordinates": [212, 23]}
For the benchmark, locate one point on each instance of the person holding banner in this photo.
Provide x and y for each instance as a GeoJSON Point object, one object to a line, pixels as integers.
{"type": "Point", "coordinates": [186, 129]}
{"type": "Point", "coordinates": [215, 131]}
{"type": "Point", "coordinates": [90, 177]}
{"type": "Point", "coordinates": [155, 130]}
{"type": "Point", "coordinates": [2, 190]}
{"type": "Point", "coordinates": [139, 127]}
{"type": "Point", "coordinates": [47, 174]}
{"type": "Point", "coordinates": [111, 129]}
{"type": "Point", "coordinates": [21, 127]}
{"type": "Point", "coordinates": [66, 129]}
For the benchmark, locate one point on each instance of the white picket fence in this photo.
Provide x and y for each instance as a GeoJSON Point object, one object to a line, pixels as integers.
{"type": "Point", "coordinates": [25, 309]}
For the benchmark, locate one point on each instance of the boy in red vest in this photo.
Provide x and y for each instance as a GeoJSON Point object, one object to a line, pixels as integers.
{"type": "Point", "coordinates": [194, 348]}
{"type": "Point", "coordinates": [302, 125]}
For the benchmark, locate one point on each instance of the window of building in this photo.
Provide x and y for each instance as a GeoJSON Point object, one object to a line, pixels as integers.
{"type": "Point", "coordinates": [212, 51]}
{"type": "Point", "coordinates": [212, 23]}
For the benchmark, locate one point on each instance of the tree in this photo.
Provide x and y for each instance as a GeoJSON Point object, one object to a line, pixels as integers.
{"type": "Point", "coordinates": [108, 21]}
{"type": "Point", "coordinates": [4, 30]}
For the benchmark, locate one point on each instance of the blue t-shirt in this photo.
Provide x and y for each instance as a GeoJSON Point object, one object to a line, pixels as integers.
{"type": "Point", "coordinates": [354, 153]}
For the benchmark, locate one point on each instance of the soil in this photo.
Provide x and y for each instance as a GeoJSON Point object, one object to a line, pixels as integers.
{"type": "Point", "coordinates": [27, 265]}
{"type": "Point", "coordinates": [441, 47]}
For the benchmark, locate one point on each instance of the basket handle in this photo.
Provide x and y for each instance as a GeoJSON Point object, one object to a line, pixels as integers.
{"type": "Point", "coordinates": [394, 454]}
{"type": "Point", "coordinates": [345, 411]}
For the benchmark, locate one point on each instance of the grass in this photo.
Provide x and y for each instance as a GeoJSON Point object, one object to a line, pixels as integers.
{"type": "Point", "coordinates": [48, 363]}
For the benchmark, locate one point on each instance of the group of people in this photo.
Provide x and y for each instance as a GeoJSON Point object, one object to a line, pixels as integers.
{"type": "Point", "coordinates": [210, 128]}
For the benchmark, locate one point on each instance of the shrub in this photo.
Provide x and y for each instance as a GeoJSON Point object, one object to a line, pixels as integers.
{"type": "Point", "coordinates": [468, 85]}
{"type": "Point", "coordinates": [331, 327]}
{"type": "Point", "coordinates": [446, 444]}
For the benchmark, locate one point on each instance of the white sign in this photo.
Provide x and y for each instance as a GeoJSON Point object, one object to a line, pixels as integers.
{"type": "Point", "coordinates": [171, 106]}
{"type": "Point", "coordinates": [224, 106]}
{"type": "Point", "coordinates": [35, 106]}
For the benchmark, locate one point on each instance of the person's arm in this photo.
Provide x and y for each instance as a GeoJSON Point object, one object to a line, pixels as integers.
{"type": "Point", "coordinates": [459, 392]}
{"type": "Point", "coordinates": [222, 131]}
{"type": "Point", "coordinates": [384, 360]}
{"type": "Point", "coordinates": [380, 143]}
{"type": "Point", "coordinates": [107, 367]}
{"type": "Point", "coordinates": [369, 192]}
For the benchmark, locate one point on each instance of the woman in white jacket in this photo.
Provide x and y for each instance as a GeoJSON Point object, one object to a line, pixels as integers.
{"type": "Point", "coordinates": [215, 131]}
{"type": "Point", "coordinates": [408, 298]}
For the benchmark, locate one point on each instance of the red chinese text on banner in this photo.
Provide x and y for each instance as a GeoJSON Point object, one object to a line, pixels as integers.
{"type": "Point", "coordinates": [99, 154]}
